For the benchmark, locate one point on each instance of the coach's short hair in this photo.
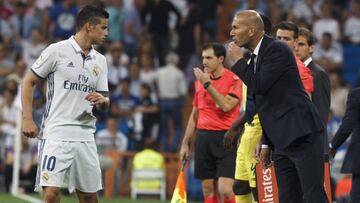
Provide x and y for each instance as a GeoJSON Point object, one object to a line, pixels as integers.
{"type": "Point", "coordinates": [90, 14]}
{"type": "Point", "coordinates": [310, 38]}
{"type": "Point", "coordinates": [219, 49]}
{"type": "Point", "coordinates": [267, 24]}
{"type": "Point", "coordinates": [288, 25]}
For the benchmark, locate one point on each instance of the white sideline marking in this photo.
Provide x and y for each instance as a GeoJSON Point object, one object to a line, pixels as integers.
{"type": "Point", "coordinates": [27, 198]}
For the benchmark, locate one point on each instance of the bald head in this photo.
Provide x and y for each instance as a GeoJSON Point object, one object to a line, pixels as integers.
{"type": "Point", "coordinates": [252, 19]}
{"type": "Point", "coordinates": [247, 29]}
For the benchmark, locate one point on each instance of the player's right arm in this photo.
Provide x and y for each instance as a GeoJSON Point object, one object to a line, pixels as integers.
{"type": "Point", "coordinates": [189, 133]}
{"type": "Point", "coordinates": [29, 127]}
{"type": "Point", "coordinates": [236, 127]}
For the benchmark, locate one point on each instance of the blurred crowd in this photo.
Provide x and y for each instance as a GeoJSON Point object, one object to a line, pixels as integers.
{"type": "Point", "coordinates": [151, 49]}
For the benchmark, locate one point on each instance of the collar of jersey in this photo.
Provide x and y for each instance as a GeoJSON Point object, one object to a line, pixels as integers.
{"type": "Point", "coordinates": [78, 48]}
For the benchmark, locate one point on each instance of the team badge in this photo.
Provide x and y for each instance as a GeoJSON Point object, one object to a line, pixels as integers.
{"type": "Point", "coordinates": [45, 176]}
{"type": "Point", "coordinates": [95, 71]}
{"type": "Point", "coordinates": [38, 62]}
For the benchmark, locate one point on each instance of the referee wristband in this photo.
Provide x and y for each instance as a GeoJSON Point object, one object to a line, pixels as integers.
{"type": "Point", "coordinates": [264, 146]}
{"type": "Point", "coordinates": [206, 84]}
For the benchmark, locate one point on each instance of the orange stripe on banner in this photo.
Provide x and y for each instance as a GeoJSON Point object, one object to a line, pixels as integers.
{"type": "Point", "coordinates": [327, 182]}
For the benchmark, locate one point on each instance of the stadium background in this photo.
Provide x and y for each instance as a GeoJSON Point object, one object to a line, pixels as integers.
{"type": "Point", "coordinates": [141, 34]}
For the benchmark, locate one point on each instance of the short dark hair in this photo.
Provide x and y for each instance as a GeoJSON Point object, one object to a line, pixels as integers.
{"type": "Point", "coordinates": [288, 25]}
{"type": "Point", "coordinates": [310, 38]}
{"type": "Point", "coordinates": [267, 24]}
{"type": "Point", "coordinates": [90, 14]}
{"type": "Point", "coordinates": [327, 34]}
{"type": "Point", "coordinates": [146, 86]}
{"type": "Point", "coordinates": [219, 49]}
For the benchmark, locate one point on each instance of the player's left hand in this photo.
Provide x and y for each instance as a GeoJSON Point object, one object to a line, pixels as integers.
{"type": "Point", "coordinates": [229, 139]}
{"type": "Point", "coordinates": [201, 76]}
{"type": "Point", "coordinates": [96, 98]}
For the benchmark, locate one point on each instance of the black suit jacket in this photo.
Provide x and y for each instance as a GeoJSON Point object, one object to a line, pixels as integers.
{"type": "Point", "coordinates": [321, 96]}
{"type": "Point", "coordinates": [285, 111]}
{"type": "Point", "coordinates": [350, 124]}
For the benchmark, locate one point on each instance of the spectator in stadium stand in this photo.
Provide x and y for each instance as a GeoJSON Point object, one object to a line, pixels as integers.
{"type": "Point", "coordinates": [350, 126]}
{"type": "Point", "coordinates": [329, 53]}
{"type": "Point", "coordinates": [290, 122]}
{"type": "Point", "coordinates": [149, 111]}
{"type": "Point", "coordinates": [321, 95]}
{"type": "Point", "coordinates": [148, 159]}
{"type": "Point", "coordinates": [111, 137]}
{"type": "Point", "coordinates": [76, 75]}
{"type": "Point", "coordinates": [216, 105]}
{"type": "Point", "coordinates": [123, 107]}
{"type": "Point", "coordinates": [339, 91]}
{"type": "Point", "coordinates": [159, 26]}
{"type": "Point", "coordinates": [172, 88]}
{"type": "Point", "coordinates": [132, 27]}
{"type": "Point", "coordinates": [352, 24]}
{"type": "Point", "coordinates": [116, 20]}
{"type": "Point", "coordinates": [326, 22]}
{"type": "Point", "coordinates": [61, 19]}
{"type": "Point", "coordinates": [117, 61]}
{"type": "Point", "coordinates": [31, 49]}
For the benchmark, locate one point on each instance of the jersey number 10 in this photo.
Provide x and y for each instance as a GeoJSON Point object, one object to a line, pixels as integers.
{"type": "Point", "coordinates": [49, 163]}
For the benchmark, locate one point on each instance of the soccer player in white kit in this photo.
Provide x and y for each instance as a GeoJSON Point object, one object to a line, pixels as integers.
{"type": "Point", "coordinates": [76, 77]}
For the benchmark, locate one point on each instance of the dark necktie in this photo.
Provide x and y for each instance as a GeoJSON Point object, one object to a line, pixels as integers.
{"type": "Point", "coordinates": [250, 103]}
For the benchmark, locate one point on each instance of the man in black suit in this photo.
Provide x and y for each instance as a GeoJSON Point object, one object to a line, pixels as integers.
{"type": "Point", "coordinates": [290, 121]}
{"type": "Point", "coordinates": [350, 125]}
{"type": "Point", "coordinates": [321, 94]}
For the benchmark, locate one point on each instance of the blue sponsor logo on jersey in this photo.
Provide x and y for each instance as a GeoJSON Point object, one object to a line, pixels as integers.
{"type": "Point", "coordinates": [78, 86]}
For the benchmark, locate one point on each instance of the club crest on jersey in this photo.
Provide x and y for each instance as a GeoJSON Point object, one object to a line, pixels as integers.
{"type": "Point", "coordinates": [95, 71]}
{"type": "Point", "coordinates": [38, 62]}
{"type": "Point", "coordinates": [45, 176]}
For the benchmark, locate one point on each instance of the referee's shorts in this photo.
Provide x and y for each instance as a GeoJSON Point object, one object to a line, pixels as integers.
{"type": "Point", "coordinates": [212, 160]}
{"type": "Point", "coordinates": [245, 161]}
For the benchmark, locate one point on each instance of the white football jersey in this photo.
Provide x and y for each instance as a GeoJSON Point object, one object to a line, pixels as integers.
{"type": "Point", "coordinates": [70, 77]}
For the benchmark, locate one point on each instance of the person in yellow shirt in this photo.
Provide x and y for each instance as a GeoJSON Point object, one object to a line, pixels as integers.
{"type": "Point", "coordinates": [148, 158]}
{"type": "Point", "coordinates": [245, 176]}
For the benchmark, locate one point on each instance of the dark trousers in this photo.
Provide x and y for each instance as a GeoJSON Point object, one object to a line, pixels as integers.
{"type": "Point", "coordinates": [355, 189]}
{"type": "Point", "coordinates": [300, 171]}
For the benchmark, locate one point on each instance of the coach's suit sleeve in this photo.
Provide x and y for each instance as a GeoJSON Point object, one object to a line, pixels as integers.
{"type": "Point", "coordinates": [269, 70]}
{"type": "Point", "coordinates": [265, 140]}
{"type": "Point", "coordinates": [349, 121]}
{"type": "Point", "coordinates": [321, 95]}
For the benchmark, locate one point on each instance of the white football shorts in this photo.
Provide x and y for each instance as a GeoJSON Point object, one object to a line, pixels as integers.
{"type": "Point", "coordinates": [70, 164]}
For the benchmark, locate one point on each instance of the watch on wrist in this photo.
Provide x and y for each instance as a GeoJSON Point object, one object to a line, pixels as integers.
{"type": "Point", "coordinates": [206, 84]}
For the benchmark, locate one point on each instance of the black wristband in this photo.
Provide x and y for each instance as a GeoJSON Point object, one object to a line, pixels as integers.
{"type": "Point", "coordinates": [206, 84]}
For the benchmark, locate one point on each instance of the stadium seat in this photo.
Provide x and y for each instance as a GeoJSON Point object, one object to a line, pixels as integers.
{"type": "Point", "coordinates": [148, 182]}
